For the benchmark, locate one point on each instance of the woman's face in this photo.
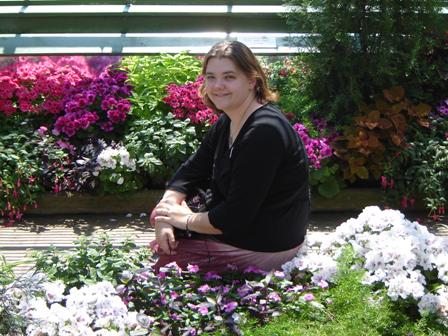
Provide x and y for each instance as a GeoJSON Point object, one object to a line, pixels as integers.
{"type": "Point", "coordinates": [226, 85]}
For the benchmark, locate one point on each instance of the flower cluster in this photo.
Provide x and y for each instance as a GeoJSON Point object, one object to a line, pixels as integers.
{"type": "Point", "coordinates": [187, 302]}
{"type": "Point", "coordinates": [116, 169]}
{"type": "Point", "coordinates": [186, 103]}
{"type": "Point", "coordinates": [40, 85]}
{"type": "Point", "coordinates": [104, 102]}
{"type": "Point", "coordinates": [91, 310]}
{"type": "Point", "coordinates": [396, 253]}
{"type": "Point", "coordinates": [115, 156]}
{"type": "Point", "coordinates": [316, 148]}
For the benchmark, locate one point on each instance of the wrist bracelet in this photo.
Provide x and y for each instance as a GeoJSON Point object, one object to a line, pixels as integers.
{"type": "Point", "coordinates": [187, 230]}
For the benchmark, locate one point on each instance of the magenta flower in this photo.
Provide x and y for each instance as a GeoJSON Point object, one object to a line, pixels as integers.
{"type": "Point", "coordinates": [317, 149]}
{"type": "Point", "coordinates": [204, 289]}
{"type": "Point", "coordinates": [186, 103]}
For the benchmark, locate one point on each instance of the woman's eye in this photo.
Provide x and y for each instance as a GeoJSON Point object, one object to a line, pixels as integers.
{"type": "Point", "coordinates": [230, 77]}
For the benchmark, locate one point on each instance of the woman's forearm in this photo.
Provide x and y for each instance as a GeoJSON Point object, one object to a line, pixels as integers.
{"type": "Point", "coordinates": [200, 223]}
{"type": "Point", "coordinates": [174, 196]}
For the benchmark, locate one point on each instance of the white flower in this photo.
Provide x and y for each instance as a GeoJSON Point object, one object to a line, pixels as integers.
{"type": "Point", "coordinates": [392, 250]}
{"type": "Point", "coordinates": [54, 291]}
{"type": "Point", "coordinates": [120, 180]}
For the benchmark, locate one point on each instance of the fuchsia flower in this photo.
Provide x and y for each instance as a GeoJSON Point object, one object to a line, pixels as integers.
{"type": "Point", "coordinates": [384, 182]}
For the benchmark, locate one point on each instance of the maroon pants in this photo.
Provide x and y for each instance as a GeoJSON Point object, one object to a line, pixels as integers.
{"type": "Point", "coordinates": [213, 255]}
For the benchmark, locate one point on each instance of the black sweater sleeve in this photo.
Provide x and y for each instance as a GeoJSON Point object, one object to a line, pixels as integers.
{"type": "Point", "coordinates": [254, 166]}
{"type": "Point", "coordinates": [197, 170]}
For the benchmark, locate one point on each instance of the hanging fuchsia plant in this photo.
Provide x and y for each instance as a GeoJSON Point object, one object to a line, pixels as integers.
{"type": "Point", "coordinates": [186, 103]}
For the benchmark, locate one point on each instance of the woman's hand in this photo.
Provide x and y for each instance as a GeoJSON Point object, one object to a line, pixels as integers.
{"type": "Point", "coordinates": [165, 238]}
{"type": "Point", "coordinates": [172, 213]}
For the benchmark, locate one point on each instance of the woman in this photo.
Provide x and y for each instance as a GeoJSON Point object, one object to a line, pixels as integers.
{"type": "Point", "coordinates": [257, 170]}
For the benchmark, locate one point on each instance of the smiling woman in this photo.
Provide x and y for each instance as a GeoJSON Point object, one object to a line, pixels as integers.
{"type": "Point", "coordinates": [256, 168]}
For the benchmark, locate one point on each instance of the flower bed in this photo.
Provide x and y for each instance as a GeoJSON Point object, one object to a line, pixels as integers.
{"type": "Point", "coordinates": [123, 125]}
{"type": "Point", "coordinates": [104, 291]}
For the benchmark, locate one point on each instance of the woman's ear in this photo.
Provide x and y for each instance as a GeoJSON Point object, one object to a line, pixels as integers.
{"type": "Point", "coordinates": [253, 83]}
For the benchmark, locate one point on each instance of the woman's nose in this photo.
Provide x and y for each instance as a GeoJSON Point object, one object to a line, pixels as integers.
{"type": "Point", "coordinates": [219, 83]}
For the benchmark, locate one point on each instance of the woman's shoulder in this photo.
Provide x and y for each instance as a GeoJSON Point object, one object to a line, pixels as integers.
{"type": "Point", "coordinates": [269, 116]}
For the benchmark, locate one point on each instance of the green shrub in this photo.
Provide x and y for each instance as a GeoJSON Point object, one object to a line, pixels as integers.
{"type": "Point", "coordinates": [149, 76]}
{"type": "Point", "coordinates": [92, 261]}
{"type": "Point", "coordinates": [161, 143]}
{"type": "Point", "coordinates": [360, 47]}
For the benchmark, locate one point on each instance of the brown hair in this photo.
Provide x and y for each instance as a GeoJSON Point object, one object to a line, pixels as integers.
{"type": "Point", "coordinates": [246, 61]}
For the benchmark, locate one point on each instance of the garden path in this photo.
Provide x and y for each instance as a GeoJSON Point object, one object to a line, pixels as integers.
{"type": "Point", "coordinates": [40, 232]}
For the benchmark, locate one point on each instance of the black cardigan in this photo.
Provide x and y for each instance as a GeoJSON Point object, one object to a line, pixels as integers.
{"type": "Point", "coordinates": [260, 187]}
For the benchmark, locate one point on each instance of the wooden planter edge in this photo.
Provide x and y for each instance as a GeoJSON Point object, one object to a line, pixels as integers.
{"type": "Point", "coordinates": [352, 199]}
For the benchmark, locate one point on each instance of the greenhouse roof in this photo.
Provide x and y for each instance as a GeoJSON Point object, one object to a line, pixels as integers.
{"type": "Point", "coordinates": [140, 27]}
{"type": "Point", "coordinates": [45, 27]}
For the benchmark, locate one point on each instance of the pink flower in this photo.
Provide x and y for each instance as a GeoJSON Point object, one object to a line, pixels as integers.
{"type": "Point", "coordinates": [42, 131]}
{"type": "Point", "coordinates": [204, 289]}
{"type": "Point", "coordinates": [323, 284]}
{"type": "Point", "coordinates": [203, 309]}
{"type": "Point", "coordinates": [193, 268]}
{"type": "Point", "coordinates": [308, 297]}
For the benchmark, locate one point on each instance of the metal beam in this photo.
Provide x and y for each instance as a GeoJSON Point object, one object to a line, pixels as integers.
{"type": "Point", "coordinates": [130, 44]}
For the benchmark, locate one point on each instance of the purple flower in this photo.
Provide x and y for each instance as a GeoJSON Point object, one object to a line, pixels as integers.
{"type": "Point", "coordinates": [255, 270]}
{"type": "Point", "coordinates": [308, 297]}
{"type": "Point", "coordinates": [244, 290]}
{"type": "Point", "coordinates": [230, 306]}
{"type": "Point", "coordinates": [212, 276]}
